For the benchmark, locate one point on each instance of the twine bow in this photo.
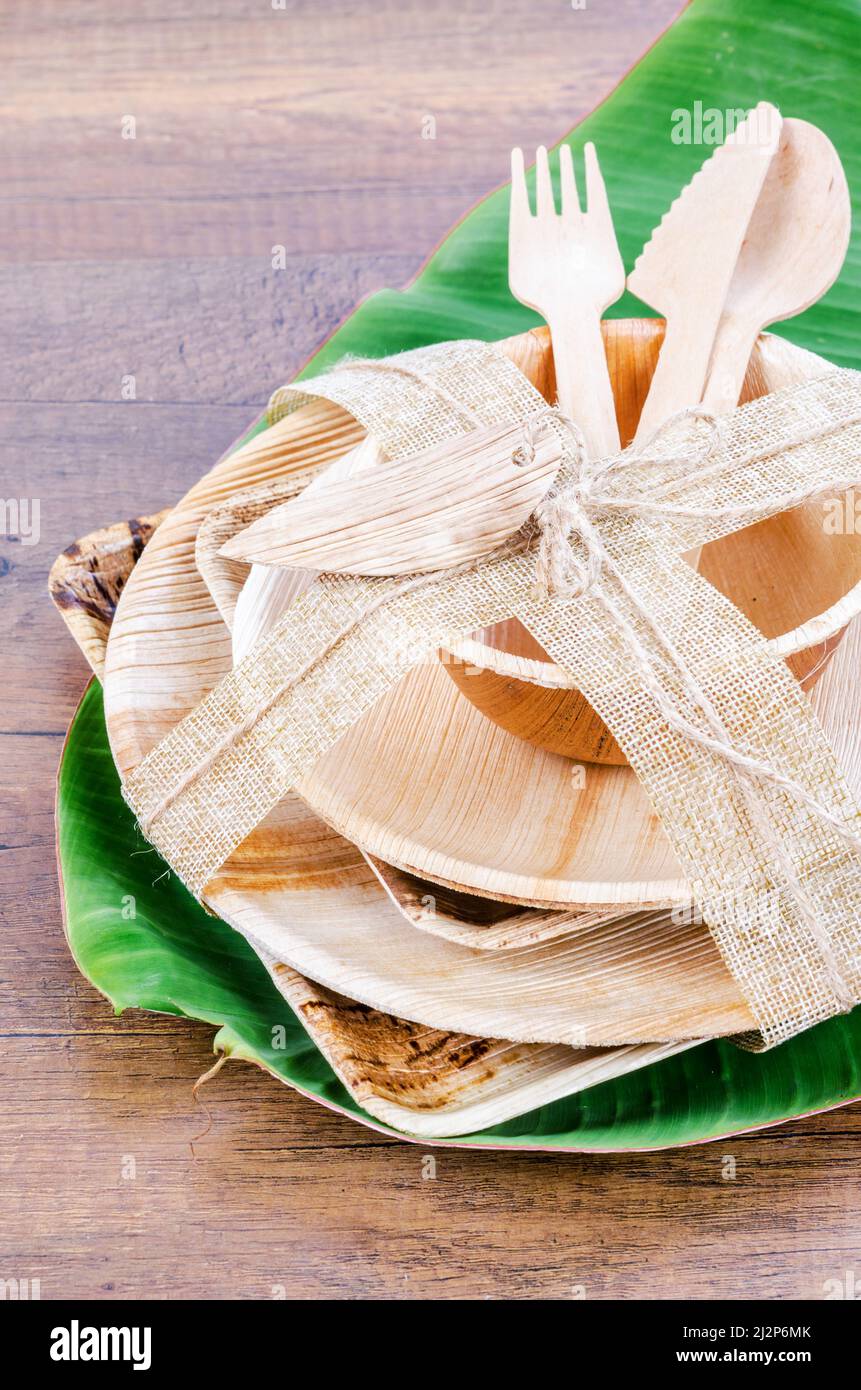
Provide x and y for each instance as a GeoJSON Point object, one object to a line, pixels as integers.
{"type": "Point", "coordinates": [568, 509]}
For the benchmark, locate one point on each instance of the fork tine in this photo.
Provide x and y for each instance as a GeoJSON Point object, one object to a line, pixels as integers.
{"type": "Point", "coordinates": [544, 203]}
{"type": "Point", "coordinates": [596, 193]}
{"type": "Point", "coordinates": [519, 206]}
{"type": "Point", "coordinates": [568, 180]}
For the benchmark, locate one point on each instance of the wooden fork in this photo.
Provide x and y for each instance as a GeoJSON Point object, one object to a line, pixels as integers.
{"type": "Point", "coordinates": [567, 267]}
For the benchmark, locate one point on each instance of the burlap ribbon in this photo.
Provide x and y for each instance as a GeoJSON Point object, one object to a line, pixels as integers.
{"type": "Point", "coordinates": [772, 862]}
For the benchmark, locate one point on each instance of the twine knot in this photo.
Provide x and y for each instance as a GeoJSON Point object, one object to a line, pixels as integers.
{"type": "Point", "coordinates": [566, 512]}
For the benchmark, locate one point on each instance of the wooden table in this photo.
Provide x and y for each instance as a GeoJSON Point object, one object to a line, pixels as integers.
{"type": "Point", "coordinates": [151, 258]}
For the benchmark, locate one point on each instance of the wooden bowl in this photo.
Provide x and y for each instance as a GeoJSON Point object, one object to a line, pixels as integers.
{"type": "Point", "coordinates": [798, 584]}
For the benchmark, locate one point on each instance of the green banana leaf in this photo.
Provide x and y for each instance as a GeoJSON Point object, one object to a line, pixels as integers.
{"type": "Point", "coordinates": [162, 952]}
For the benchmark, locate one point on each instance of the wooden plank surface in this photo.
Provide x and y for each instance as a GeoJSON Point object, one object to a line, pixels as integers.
{"type": "Point", "coordinates": [151, 258]}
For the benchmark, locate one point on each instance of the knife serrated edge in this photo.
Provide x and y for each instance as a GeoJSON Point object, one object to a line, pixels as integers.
{"type": "Point", "coordinates": [711, 171]}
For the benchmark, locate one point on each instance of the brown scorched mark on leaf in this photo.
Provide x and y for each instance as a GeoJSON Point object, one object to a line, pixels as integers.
{"type": "Point", "coordinates": [393, 1057]}
{"type": "Point", "coordinates": [87, 579]}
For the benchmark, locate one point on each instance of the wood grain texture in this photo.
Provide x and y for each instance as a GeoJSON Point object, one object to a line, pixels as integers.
{"type": "Point", "coordinates": [281, 1194]}
{"type": "Point", "coordinates": [243, 138]}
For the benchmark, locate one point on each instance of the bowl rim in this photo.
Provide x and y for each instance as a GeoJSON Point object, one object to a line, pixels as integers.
{"type": "Point", "coordinates": [550, 676]}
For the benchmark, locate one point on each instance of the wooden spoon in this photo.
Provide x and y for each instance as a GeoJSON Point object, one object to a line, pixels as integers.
{"type": "Point", "coordinates": [793, 251]}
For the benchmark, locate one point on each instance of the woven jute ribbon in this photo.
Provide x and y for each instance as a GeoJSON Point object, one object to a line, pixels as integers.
{"type": "Point", "coordinates": [723, 740]}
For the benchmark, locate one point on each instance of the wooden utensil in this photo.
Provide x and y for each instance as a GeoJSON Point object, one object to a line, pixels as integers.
{"type": "Point", "coordinates": [567, 267]}
{"type": "Point", "coordinates": [685, 270]}
{"type": "Point", "coordinates": [503, 669]}
{"type": "Point", "coordinates": [793, 251]}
